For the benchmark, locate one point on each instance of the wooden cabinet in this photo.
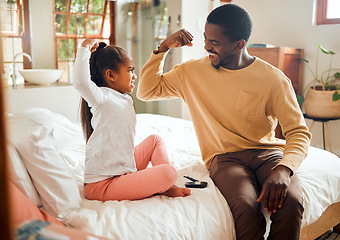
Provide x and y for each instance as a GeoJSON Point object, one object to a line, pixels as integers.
{"type": "Point", "coordinates": [287, 59]}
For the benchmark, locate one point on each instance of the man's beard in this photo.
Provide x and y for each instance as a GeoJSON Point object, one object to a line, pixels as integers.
{"type": "Point", "coordinates": [216, 66]}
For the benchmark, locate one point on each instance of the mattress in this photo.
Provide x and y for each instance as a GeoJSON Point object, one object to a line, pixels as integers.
{"type": "Point", "coordinates": [51, 152]}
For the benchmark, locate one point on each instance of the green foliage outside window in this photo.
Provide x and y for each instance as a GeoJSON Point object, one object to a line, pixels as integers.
{"type": "Point", "coordinates": [66, 49]}
{"type": "Point", "coordinates": [72, 21]}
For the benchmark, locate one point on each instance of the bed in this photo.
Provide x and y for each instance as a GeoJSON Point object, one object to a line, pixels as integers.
{"type": "Point", "coordinates": [47, 163]}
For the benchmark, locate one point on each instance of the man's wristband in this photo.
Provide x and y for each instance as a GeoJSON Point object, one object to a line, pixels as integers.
{"type": "Point", "coordinates": [157, 51]}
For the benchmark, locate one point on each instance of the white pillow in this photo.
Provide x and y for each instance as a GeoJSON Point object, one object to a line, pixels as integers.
{"type": "Point", "coordinates": [20, 177]}
{"type": "Point", "coordinates": [68, 136]}
{"type": "Point", "coordinates": [37, 134]}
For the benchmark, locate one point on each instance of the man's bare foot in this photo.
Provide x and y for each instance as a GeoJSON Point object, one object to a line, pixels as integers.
{"type": "Point", "coordinates": [175, 191]}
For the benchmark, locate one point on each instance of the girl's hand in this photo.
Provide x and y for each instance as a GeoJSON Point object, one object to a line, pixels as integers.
{"type": "Point", "coordinates": [175, 40]}
{"type": "Point", "coordinates": [90, 44]}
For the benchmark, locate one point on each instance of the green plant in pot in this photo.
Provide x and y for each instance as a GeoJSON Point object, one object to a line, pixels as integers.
{"type": "Point", "coordinates": [323, 93]}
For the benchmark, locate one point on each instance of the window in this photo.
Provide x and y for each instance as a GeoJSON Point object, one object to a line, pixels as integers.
{"type": "Point", "coordinates": [328, 12]}
{"type": "Point", "coordinates": [76, 20]}
{"type": "Point", "coordinates": [15, 33]}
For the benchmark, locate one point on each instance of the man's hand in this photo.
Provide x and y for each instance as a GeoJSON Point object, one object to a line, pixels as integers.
{"type": "Point", "coordinates": [275, 189]}
{"type": "Point", "coordinates": [175, 40]}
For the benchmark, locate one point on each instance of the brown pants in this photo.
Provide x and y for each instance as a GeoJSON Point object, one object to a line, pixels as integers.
{"type": "Point", "coordinates": [240, 177]}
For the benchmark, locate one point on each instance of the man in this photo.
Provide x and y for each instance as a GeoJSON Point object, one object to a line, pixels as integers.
{"type": "Point", "coordinates": [235, 101]}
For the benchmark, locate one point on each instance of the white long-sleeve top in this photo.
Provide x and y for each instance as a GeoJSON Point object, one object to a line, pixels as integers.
{"type": "Point", "coordinates": [110, 148]}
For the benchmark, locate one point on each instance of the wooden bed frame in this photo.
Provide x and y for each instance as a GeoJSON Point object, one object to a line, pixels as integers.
{"type": "Point", "coordinates": [329, 219]}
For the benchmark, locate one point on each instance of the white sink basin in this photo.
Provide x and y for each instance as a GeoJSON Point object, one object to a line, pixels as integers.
{"type": "Point", "coordinates": [41, 76]}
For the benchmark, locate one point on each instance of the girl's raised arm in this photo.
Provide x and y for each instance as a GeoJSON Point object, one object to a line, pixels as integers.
{"type": "Point", "coordinates": [82, 76]}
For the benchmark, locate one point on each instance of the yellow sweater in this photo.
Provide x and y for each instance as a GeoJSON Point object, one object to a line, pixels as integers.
{"type": "Point", "coordinates": [232, 110]}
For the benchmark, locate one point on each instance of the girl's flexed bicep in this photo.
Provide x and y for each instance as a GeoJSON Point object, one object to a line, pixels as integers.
{"type": "Point", "coordinates": [82, 79]}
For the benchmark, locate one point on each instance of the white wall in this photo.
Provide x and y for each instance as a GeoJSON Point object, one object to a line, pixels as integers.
{"type": "Point", "coordinates": [291, 23]}
{"type": "Point", "coordinates": [42, 34]}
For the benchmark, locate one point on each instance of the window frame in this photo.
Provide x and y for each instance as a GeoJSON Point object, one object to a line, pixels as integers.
{"type": "Point", "coordinates": [76, 37]}
{"type": "Point", "coordinates": [321, 13]}
{"type": "Point", "coordinates": [25, 35]}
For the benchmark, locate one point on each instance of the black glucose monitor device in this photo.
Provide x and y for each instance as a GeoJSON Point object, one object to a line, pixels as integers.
{"type": "Point", "coordinates": [195, 183]}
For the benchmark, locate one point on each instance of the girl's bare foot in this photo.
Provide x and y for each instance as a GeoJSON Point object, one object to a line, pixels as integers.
{"type": "Point", "coordinates": [175, 191]}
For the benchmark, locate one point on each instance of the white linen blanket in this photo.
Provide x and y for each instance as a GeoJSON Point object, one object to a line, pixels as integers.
{"type": "Point", "coordinates": [205, 214]}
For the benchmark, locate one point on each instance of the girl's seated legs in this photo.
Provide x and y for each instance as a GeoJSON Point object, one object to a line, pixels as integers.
{"type": "Point", "coordinates": [151, 149]}
{"type": "Point", "coordinates": [159, 179]}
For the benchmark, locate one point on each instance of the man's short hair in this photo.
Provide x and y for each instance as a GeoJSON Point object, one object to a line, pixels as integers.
{"type": "Point", "coordinates": [234, 20]}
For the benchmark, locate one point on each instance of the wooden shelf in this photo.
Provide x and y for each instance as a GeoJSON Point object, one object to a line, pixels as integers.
{"type": "Point", "coordinates": [287, 59]}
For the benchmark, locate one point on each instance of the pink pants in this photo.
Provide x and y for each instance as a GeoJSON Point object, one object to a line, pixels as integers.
{"type": "Point", "coordinates": [142, 183]}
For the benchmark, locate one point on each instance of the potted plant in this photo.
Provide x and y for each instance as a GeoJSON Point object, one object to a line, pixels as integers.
{"type": "Point", "coordinates": [323, 93]}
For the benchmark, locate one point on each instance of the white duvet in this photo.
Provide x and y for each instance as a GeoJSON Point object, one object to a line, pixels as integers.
{"type": "Point", "coordinates": [51, 149]}
{"type": "Point", "coordinates": [205, 214]}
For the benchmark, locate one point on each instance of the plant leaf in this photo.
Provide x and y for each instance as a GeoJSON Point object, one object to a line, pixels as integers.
{"type": "Point", "coordinates": [305, 60]}
{"type": "Point", "coordinates": [337, 75]}
{"type": "Point", "coordinates": [324, 50]}
{"type": "Point", "coordinates": [300, 99]}
{"type": "Point", "coordinates": [336, 96]}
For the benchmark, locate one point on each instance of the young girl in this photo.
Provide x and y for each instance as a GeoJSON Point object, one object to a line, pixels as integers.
{"type": "Point", "coordinates": [114, 168]}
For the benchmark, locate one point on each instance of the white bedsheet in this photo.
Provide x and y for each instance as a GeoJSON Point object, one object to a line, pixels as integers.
{"type": "Point", "coordinates": [205, 214]}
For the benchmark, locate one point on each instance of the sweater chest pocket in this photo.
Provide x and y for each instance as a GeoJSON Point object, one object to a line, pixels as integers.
{"type": "Point", "coordinates": [248, 103]}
